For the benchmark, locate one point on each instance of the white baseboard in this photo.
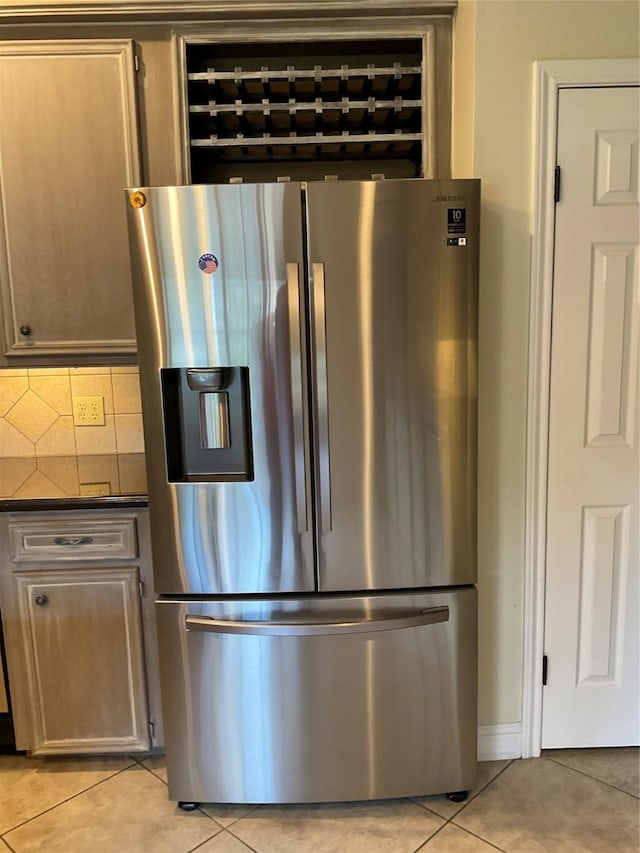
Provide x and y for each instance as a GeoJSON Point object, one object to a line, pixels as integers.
{"type": "Point", "coordinates": [499, 742]}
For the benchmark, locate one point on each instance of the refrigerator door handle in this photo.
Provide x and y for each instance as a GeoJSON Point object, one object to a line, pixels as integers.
{"type": "Point", "coordinates": [430, 616]}
{"type": "Point", "coordinates": [322, 397]}
{"type": "Point", "coordinates": [293, 294]}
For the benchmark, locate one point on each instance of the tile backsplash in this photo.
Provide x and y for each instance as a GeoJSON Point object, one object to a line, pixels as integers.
{"type": "Point", "coordinates": [42, 452]}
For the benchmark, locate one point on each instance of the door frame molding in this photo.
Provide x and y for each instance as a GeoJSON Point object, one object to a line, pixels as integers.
{"type": "Point", "coordinates": [549, 77]}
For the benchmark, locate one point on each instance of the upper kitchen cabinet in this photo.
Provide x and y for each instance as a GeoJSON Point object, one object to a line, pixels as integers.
{"type": "Point", "coordinates": [68, 147]}
{"type": "Point", "coordinates": [353, 99]}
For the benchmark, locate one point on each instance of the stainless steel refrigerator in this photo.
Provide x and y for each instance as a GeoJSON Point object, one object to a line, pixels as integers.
{"type": "Point", "coordinates": [308, 369]}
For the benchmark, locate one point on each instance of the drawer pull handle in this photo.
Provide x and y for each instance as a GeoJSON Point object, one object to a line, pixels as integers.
{"type": "Point", "coordinates": [41, 600]}
{"type": "Point", "coordinates": [73, 541]}
{"type": "Point", "coordinates": [430, 616]}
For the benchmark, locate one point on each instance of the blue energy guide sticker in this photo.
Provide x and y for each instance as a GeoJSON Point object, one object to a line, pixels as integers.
{"type": "Point", "coordinates": [208, 263]}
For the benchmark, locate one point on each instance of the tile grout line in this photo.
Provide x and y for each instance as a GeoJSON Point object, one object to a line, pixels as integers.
{"type": "Point", "coordinates": [485, 840]}
{"type": "Point", "coordinates": [424, 846]}
{"type": "Point", "coordinates": [35, 468]}
{"type": "Point", "coordinates": [422, 805]}
{"type": "Point", "coordinates": [450, 820]}
{"type": "Point", "coordinates": [206, 841]}
{"type": "Point", "coordinates": [62, 802]}
{"type": "Point", "coordinates": [469, 799]}
{"type": "Point", "coordinates": [492, 780]}
{"type": "Point", "coordinates": [235, 820]}
{"type": "Point", "coordinates": [155, 775]}
{"type": "Point", "coordinates": [217, 835]}
{"type": "Point", "coordinates": [246, 814]}
{"type": "Point", "coordinates": [237, 837]}
{"type": "Point", "coordinates": [589, 776]}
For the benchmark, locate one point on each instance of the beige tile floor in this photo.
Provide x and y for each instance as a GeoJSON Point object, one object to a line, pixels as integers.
{"type": "Point", "coordinates": [565, 802]}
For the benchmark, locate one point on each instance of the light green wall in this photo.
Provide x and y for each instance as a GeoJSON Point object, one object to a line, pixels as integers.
{"type": "Point", "coordinates": [496, 44]}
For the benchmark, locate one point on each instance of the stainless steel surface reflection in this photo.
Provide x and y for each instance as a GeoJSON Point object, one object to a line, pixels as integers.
{"type": "Point", "coordinates": [314, 529]}
{"type": "Point", "coordinates": [227, 537]}
{"type": "Point", "coordinates": [394, 384]}
{"type": "Point", "coordinates": [275, 718]}
{"type": "Point", "coordinates": [366, 346]}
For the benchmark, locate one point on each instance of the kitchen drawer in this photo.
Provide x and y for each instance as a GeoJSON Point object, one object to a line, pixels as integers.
{"type": "Point", "coordinates": [71, 539]}
{"type": "Point", "coordinates": [329, 665]}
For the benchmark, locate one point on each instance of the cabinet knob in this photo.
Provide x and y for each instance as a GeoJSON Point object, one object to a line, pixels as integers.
{"type": "Point", "coordinates": [26, 330]}
{"type": "Point", "coordinates": [41, 600]}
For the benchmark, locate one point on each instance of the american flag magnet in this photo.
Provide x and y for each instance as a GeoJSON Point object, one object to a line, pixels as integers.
{"type": "Point", "coordinates": [208, 263]}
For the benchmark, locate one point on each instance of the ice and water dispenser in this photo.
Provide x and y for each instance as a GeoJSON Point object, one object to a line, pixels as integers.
{"type": "Point", "coordinates": [207, 420]}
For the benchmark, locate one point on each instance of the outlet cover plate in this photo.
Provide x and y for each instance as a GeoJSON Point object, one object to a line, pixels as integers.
{"type": "Point", "coordinates": [88, 411]}
{"type": "Point", "coordinates": [94, 490]}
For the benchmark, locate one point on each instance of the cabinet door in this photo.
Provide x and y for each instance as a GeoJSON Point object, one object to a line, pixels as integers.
{"type": "Point", "coordinates": [68, 148]}
{"type": "Point", "coordinates": [83, 660]}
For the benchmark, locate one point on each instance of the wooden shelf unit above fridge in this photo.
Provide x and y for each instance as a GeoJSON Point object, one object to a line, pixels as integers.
{"type": "Point", "coordinates": [283, 111]}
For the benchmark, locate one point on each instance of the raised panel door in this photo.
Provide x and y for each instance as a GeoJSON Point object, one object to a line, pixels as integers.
{"type": "Point", "coordinates": [592, 696]}
{"type": "Point", "coordinates": [83, 660]}
{"type": "Point", "coordinates": [69, 148]}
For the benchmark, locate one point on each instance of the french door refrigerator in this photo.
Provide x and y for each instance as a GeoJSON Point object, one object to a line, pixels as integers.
{"type": "Point", "coordinates": [308, 370]}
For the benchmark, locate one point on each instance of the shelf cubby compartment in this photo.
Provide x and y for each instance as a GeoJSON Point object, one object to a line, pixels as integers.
{"type": "Point", "coordinates": [298, 109]}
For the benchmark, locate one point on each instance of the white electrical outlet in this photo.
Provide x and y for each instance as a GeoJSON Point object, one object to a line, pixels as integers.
{"type": "Point", "coordinates": [94, 490]}
{"type": "Point", "coordinates": [88, 411]}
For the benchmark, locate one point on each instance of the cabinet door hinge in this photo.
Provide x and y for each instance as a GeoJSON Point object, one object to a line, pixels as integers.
{"type": "Point", "coordinates": [152, 729]}
{"type": "Point", "coordinates": [556, 184]}
{"type": "Point", "coordinates": [136, 62]}
{"type": "Point", "coordinates": [545, 665]}
{"type": "Point", "coordinates": [142, 590]}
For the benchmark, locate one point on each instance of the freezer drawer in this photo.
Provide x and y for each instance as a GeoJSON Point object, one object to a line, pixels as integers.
{"type": "Point", "coordinates": [319, 699]}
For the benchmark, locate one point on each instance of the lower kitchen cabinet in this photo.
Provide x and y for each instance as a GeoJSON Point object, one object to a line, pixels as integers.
{"type": "Point", "coordinates": [80, 633]}
{"type": "Point", "coordinates": [84, 660]}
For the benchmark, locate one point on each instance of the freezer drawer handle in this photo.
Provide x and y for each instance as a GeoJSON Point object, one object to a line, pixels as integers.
{"type": "Point", "coordinates": [293, 293]}
{"type": "Point", "coordinates": [430, 616]}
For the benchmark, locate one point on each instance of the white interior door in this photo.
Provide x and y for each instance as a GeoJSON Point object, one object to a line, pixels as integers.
{"type": "Point", "coordinates": [592, 604]}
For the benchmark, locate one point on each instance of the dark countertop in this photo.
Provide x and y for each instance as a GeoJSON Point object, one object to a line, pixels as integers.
{"type": "Point", "coordinates": [106, 502]}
